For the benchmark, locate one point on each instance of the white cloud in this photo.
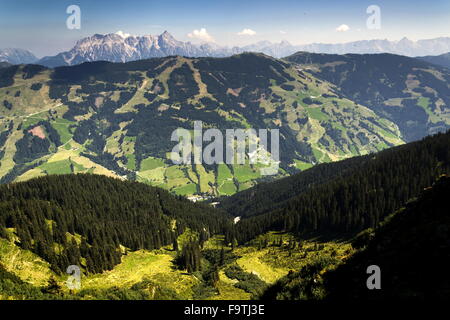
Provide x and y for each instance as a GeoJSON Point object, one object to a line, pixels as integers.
{"type": "Point", "coordinates": [283, 32]}
{"type": "Point", "coordinates": [247, 32]}
{"type": "Point", "coordinates": [343, 28]}
{"type": "Point", "coordinates": [201, 34]}
{"type": "Point", "coordinates": [122, 34]}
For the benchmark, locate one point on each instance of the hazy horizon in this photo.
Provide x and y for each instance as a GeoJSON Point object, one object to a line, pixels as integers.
{"type": "Point", "coordinates": [40, 26]}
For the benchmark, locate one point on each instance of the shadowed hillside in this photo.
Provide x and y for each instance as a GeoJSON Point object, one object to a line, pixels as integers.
{"type": "Point", "coordinates": [410, 247]}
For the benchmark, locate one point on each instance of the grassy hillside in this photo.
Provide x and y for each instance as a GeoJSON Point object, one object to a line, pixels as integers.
{"type": "Point", "coordinates": [117, 119]}
{"type": "Point", "coordinates": [145, 274]}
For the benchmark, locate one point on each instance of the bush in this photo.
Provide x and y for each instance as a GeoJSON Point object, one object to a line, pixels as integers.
{"type": "Point", "coordinates": [248, 282]}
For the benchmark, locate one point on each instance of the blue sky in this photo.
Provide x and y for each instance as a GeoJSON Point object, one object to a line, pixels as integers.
{"type": "Point", "coordinates": [40, 25]}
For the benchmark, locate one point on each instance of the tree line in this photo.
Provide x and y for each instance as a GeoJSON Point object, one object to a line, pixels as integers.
{"type": "Point", "coordinates": [87, 219]}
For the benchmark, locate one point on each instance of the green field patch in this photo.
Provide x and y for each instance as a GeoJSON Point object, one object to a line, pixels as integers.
{"type": "Point", "coordinates": [156, 174]}
{"type": "Point", "coordinates": [177, 182]}
{"type": "Point", "coordinates": [31, 121]}
{"type": "Point", "coordinates": [273, 261]}
{"type": "Point", "coordinates": [381, 146]}
{"type": "Point", "coordinates": [320, 156]}
{"type": "Point", "coordinates": [353, 150]}
{"type": "Point", "coordinates": [302, 165]}
{"type": "Point", "coordinates": [425, 104]}
{"type": "Point", "coordinates": [205, 178]}
{"type": "Point", "coordinates": [251, 262]}
{"type": "Point", "coordinates": [131, 163]}
{"type": "Point", "coordinates": [316, 113]}
{"type": "Point", "coordinates": [57, 167]}
{"type": "Point", "coordinates": [244, 173]}
{"type": "Point", "coordinates": [174, 172]}
{"type": "Point", "coordinates": [141, 265]}
{"type": "Point", "coordinates": [129, 139]}
{"type": "Point", "coordinates": [62, 127]}
{"type": "Point", "coordinates": [227, 188]}
{"type": "Point", "coordinates": [227, 290]}
{"type": "Point", "coordinates": [223, 173]}
{"type": "Point", "coordinates": [185, 190]}
{"type": "Point", "coordinates": [151, 163]}
{"type": "Point", "coordinates": [78, 167]}
{"type": "Point", "coordinates": [245, 185]}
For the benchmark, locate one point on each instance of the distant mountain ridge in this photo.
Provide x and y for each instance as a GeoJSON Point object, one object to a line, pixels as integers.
{"type": "Point", "coordinates": [116, 47]}
{"type": "Point", "coordinates": [440, 60]}
{"type": "Point", "coordinates": [17, 56]}
{"type": "Point", "coordinates": [404, 47]}
{"type": "Point", "coordinates": [394, 86]}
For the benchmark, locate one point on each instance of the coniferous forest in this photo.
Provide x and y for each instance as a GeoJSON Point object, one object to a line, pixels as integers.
{"type": "Point", "coordinates": [346, 197]}
{"type": "Point", "coordinates": [408, 244]}
{"type": "Point", "coordinates": [106, 214]}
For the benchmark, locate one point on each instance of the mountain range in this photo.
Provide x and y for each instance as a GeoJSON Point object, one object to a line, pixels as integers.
{"type": "Point", "coordinates": [116, 47]}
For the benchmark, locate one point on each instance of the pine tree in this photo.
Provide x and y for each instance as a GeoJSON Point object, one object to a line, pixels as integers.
{"type": "Point", "coordinates": [234, 244]}
{"type": "Point", "coordinates": [52, 287]}
{"type": "Point", "coordinates": [175, 244]}
{"type": "Point", "coordinates": [222, 257]}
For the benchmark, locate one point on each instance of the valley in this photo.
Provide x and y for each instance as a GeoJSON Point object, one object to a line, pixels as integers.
{"type": "Point", "coordinates": [132, 241]}
{"type": "Point", "coordinates": [117, 119]}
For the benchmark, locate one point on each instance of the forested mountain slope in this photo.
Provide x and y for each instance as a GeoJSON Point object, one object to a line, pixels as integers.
{"type": "Point", "coordinates": [409, 247]}
{"type": "Point", "coordinates": [412, 93]}
{"type": "Point", "coordinates": [358, 198]}
{"type": "Point", "coordinates": [267, 196]}
{"type": "Point", "coordinates": [440, 60]}
{"type": "Point", "coordinates": [117, 119]}
{"type": "Point", "coordinates": [91, 220]}
{"type": "Point", "coordinates": [4, 64]}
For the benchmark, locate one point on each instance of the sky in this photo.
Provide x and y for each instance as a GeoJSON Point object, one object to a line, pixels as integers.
{"type": "Point", "coordinates": [40, 25]}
